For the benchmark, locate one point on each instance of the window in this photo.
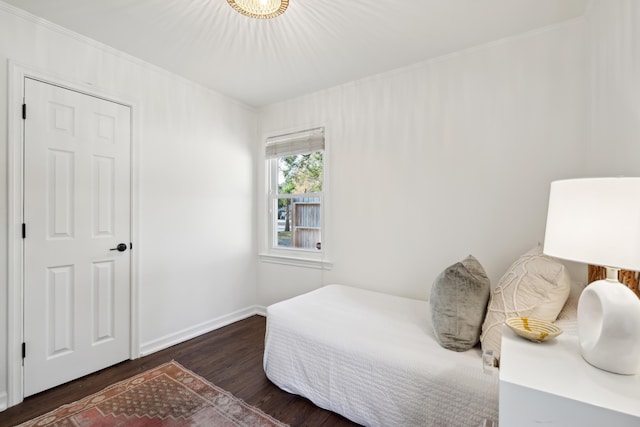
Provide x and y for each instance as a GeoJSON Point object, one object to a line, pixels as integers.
{"type": "Point", "coordinates": [295, 164]}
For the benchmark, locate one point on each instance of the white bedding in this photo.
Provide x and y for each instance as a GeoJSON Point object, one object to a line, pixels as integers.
{"type": "Point", "coordinates": [373, 358]}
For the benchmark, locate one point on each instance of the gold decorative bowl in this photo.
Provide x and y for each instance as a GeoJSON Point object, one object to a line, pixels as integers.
{"type": "Point", "coordinates": [533, 329]}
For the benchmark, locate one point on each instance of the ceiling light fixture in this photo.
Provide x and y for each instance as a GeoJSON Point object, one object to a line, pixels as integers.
{"type": "Point", "coordinates": [261, 9]}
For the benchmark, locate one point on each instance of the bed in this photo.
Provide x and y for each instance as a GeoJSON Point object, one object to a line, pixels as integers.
{"type": "Point", "coordinates": [373, 358]}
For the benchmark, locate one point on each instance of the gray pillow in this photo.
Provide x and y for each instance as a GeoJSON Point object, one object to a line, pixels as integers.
{"type": "Point", "coordinates": [458, 300]}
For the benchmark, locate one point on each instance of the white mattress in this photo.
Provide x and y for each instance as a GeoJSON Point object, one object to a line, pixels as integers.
{"type": "Point", "coordinates": [372, 358]}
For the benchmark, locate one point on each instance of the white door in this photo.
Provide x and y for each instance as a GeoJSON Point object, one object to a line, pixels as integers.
{"type": "Point", "coordinates": [77, 199]}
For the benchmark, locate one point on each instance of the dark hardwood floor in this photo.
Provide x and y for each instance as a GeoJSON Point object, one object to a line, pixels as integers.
{"type": "Point", "coordinates": [230, 357]}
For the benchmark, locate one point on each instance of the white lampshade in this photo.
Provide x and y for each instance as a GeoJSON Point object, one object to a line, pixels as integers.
{"type": "Point", "coordinates": [595, 221]}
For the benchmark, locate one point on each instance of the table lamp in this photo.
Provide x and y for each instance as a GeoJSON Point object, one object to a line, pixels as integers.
{"type": "Point", "coordinates": [597, 221]}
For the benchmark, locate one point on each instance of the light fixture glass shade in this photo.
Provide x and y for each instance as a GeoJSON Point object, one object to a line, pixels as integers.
{"type": "Point", "coordinates": [262, 9]}
{"type": "Point", "coordinates": [597, 221]}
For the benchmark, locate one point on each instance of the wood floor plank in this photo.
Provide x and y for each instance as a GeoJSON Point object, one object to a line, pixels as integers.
{"type": "Point", "coordinates": [230, 357]}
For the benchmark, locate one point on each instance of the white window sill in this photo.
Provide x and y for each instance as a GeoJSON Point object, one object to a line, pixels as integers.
{"type": "Point", "coordinates": [296, 261]}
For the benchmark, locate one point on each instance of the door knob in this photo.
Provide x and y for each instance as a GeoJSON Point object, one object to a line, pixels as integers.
{"type": "Point", "coordinates": [120, 248]}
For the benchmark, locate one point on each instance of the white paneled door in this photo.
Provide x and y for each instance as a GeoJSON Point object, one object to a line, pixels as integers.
{"type": "Point", "coordinates": [77, 210]}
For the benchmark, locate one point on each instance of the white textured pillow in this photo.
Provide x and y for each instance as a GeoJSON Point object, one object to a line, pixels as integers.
{"type": "Point", "coordinates": [569, 312]}
{"type": "Point", "coordinates": [535, 286]}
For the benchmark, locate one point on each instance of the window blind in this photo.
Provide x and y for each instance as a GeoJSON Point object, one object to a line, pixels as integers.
{"type": "Point", "coordinates": [291, 144]}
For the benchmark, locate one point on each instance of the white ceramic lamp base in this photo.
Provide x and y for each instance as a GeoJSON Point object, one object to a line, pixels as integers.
{"type": "Point", "coordinates": [609, 327]}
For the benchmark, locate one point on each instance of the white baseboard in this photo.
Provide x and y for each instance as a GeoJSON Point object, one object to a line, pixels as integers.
{"type": "Point", "coordinates": [200, 329]}
{"type": "Point", "coordinates": [3, 401]}
{"type": "Point", "coordinates": [261, 310]}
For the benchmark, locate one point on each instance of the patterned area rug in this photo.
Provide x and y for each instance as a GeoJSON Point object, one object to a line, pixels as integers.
{"type": "Point", "coordinates": [168, 395]}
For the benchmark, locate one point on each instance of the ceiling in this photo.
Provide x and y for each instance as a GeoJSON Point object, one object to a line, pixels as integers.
{"type": "Point", "coordinates": [315, 44]}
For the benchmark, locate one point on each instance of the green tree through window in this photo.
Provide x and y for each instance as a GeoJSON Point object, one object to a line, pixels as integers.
{"type": "Point", "coordinates": [300, 174]}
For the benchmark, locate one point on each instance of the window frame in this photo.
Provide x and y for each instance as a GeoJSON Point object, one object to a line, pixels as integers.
{"type": "Point", "coordinates": [271, 252]}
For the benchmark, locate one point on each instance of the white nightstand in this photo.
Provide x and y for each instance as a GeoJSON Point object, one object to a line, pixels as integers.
{"type": "Point", "coordinates": [550, 384]}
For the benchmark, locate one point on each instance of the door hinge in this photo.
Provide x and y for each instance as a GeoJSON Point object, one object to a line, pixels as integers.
{"type": "Point", "coordinates": [24, 111]}
{"type": "Point", "coordinates": [24, 230]}
{"type": "Point", "coordinates": [130, 245]}
{"type": "Point", "coordinates": [24, 350]}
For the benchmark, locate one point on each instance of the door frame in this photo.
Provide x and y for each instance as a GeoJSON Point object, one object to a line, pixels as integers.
{"type": "Point", "coordinates": [15, 244]}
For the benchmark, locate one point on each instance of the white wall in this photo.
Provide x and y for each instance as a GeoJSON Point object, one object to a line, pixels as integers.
{"type": "Point", "coordinates": [196, 247]}
{"type": "Point", "coordinates": [614, 51]}
{"type": "Point", "coordinates": [440, 160]}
